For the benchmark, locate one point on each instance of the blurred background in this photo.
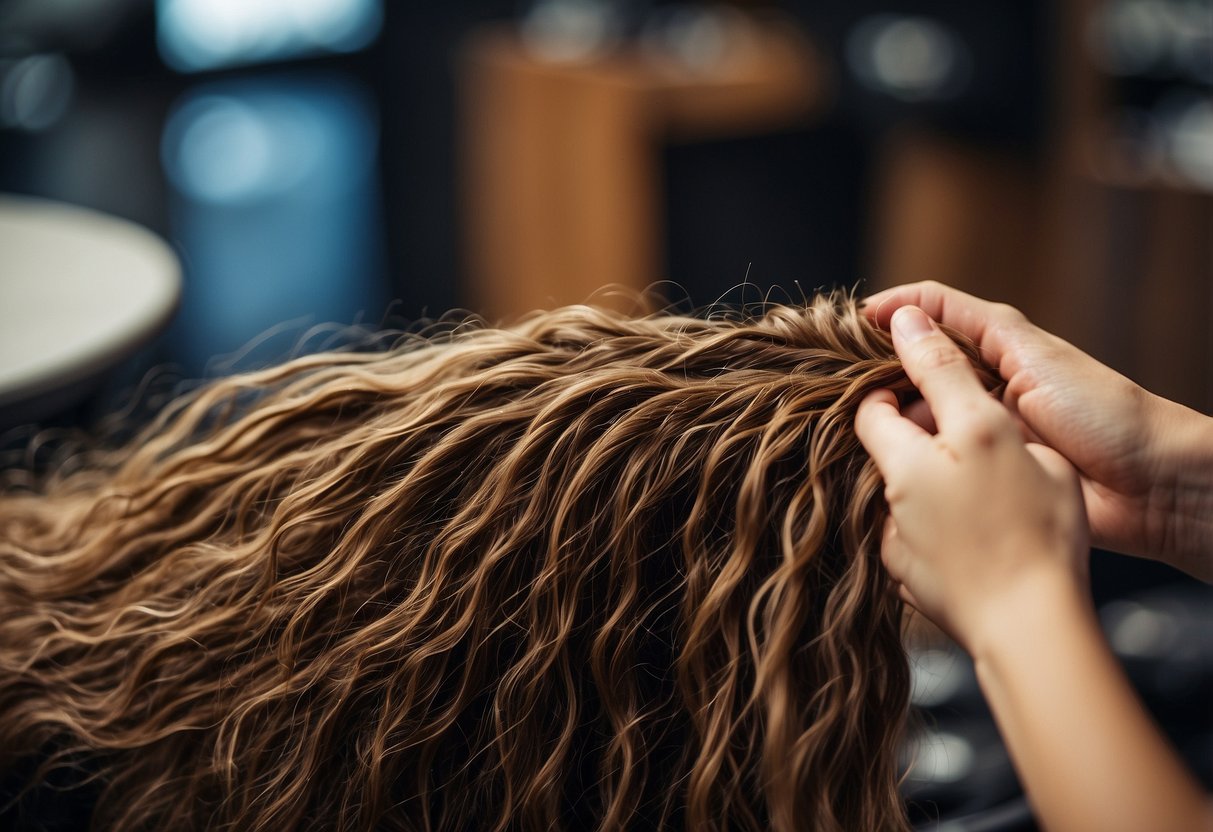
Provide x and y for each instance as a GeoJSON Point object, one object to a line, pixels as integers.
{"type": "Point", "coordinates": [349, 161]}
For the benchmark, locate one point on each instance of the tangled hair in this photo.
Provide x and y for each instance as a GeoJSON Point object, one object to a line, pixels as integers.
{"type": "Point", "coordinates": [589, 571]}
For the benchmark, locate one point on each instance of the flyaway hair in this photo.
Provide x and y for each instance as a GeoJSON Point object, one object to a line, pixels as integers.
{"type": "Point", "coordinates": [590, 571]}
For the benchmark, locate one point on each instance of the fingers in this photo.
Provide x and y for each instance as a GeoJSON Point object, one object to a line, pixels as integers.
{"type": "Point", "coordinates": [982, 321]}
{"type": "Point", "coordinates": [884, 432]}
{"type": "Point", "coordinates": [920, 414]}
{"type": "Point", "coordinates": [939, 370]}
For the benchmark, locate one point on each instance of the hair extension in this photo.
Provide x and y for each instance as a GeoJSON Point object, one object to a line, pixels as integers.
{"type": "Point", "coordinates": [590, 571]}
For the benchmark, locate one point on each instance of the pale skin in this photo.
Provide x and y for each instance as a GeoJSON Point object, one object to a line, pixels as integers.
{"type": "Point", "coordinates": [993, 508]}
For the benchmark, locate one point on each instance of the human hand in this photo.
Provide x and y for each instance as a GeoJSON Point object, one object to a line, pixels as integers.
{"type": "Point", "coordinates": [1146, 464]}
{"type": "Point", "coordinates": [977, 515]}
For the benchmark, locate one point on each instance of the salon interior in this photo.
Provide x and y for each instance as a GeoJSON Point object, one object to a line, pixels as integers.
{"type": "Point", "coordinates": [189, 188]}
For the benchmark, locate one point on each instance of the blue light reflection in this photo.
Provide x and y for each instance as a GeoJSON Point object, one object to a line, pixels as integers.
{"type": "Point", "coordinates": [196, 35]}
{"type": "Point", "coordinates": [275, 208]}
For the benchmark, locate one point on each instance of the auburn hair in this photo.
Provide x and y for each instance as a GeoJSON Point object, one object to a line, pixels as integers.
{"type": "Point", "coordinates": [589, 571]}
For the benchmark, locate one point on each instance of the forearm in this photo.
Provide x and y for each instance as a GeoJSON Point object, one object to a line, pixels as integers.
{"type": "Point", "coordinates": [1086, 751]}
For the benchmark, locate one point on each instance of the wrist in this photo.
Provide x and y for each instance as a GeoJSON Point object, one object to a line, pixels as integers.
{"type": "Point", "coordinates": [1085, 750]}
{"type": "Point", "coordinates": [1028, 612]}
{"type": "Point", "coordinates": [1181, 509]}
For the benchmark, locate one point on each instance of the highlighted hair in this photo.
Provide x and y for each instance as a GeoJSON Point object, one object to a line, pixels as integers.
{"type": "Point", "coordinates": [588, 571]}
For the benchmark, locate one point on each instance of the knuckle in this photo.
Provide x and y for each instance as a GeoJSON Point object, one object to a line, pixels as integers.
{"type": "Point", "coordinates": [939, 356]}
{"type": "Point", "coordinates": [1027, 377]}
{"type": "Point", "coordinates": [987, 426]}
{"type": "Point", "coordinates": [984, 436]}
{"type": "Point", "coordinates": [1010, 314]}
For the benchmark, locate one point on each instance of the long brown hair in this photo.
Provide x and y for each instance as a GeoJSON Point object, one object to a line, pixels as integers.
{"type": "Point", "coordinates": [592, 570]}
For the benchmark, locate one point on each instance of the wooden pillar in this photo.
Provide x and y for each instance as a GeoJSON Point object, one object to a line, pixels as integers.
{"type": "Point", "coordinates": [561, 187]}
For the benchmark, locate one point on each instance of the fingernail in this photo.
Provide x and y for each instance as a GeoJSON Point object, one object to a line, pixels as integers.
{"type": "Point", "coordinates": [912, 323]}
